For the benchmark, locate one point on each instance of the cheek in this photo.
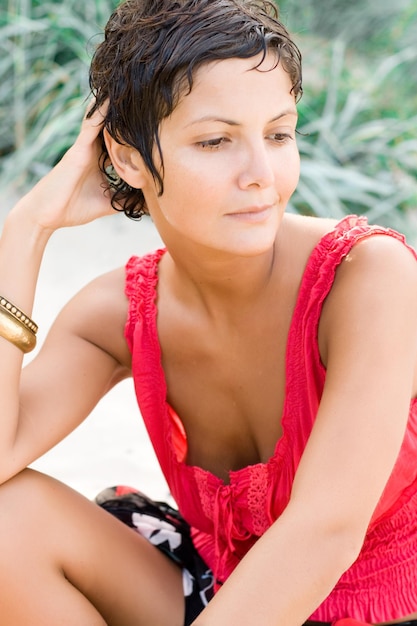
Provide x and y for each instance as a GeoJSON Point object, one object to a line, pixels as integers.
{"type": "Point", "coordinates": [189, 182]}
{"type": "Point", "coordinates": [290, 173]}
{"type": "Point", "coordinates": [182, 198]}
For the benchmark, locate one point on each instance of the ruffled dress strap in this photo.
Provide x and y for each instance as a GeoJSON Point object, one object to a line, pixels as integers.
{"type": "Point", "coordinates": [328, 254]}
{"type": "Point", "coordinates": [142, 338]}
{"type": "Point", "coordinates": [318, 279]}
{"type": "Point", "coordinates": [140, 289]}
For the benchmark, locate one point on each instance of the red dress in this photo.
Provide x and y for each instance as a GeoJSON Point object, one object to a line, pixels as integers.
{"type": "Point", "coordinates": [227, 519]}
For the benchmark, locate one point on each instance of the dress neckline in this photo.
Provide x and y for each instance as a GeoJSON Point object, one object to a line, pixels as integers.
{"type": "Point", "coordinates": [281, 448]}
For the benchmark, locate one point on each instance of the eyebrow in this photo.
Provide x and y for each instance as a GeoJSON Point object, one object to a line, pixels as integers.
{"type": "Point", "coordinates": [214, 118]}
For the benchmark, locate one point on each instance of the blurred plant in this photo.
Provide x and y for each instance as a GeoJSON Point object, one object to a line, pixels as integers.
{"type": "Point", "coordinates": [356, 158]}
{"type": "Point", "coordinates": [358, 117]}
{"type": "Point", "coordinates": [44, 58]}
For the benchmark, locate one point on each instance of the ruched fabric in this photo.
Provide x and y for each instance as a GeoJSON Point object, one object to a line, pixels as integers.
{"type": "Point", "coordinates": [228, 518]}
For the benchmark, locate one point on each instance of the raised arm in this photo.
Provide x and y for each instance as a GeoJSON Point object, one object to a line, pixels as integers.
{"type": "Point", "coordinates": [368, 339]}
{"type": "Point", "coordinates": [40, 407]}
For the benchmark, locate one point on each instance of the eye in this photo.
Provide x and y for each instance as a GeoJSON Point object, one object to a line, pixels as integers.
{"type": "Point", "coordinates": [280, 137]}
{"type": "Point", "coordinates": [212, 144]}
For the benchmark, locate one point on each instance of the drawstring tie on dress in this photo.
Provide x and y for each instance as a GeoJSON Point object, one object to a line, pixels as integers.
{"type": "Point", "coordinates": [227, 535]}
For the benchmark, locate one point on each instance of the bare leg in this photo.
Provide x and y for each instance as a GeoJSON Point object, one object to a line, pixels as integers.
{"type": "Point", "coordinates": [66, 562]}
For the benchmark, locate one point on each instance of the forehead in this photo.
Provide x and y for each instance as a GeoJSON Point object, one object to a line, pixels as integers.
{"type": "Point", "coordinates": [236, 84]}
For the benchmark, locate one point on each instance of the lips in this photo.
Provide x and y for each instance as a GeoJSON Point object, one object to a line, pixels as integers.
{"type": "Point", "coordinates": [253, 213]}
{"type": "Point", "coordinates": [254, 209]}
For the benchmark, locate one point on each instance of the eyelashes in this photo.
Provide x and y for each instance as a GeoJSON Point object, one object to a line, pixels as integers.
{"type": "Point", "coordinates": [281, 137]}
{"type": "Point", "coordinates": [212, 144]}
{"type": "Point", "coordinates": [218, 142]}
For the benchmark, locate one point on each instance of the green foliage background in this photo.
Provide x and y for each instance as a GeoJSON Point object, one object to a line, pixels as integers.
{"type": "Point", "coordinates": [358, 115]}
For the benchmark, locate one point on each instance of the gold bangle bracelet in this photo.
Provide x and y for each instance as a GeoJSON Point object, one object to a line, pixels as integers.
{"type": "Point", "coordinates": [16, 332]}
{"type": "Point", "coordinates": [18, 315]}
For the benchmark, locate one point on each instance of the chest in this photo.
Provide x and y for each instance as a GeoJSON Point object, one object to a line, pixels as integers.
{"type": "Point", "coordinates": [228, 389]}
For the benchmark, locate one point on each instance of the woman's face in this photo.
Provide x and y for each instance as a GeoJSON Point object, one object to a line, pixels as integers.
{"type": "Point", "coordinates": [230, 160]}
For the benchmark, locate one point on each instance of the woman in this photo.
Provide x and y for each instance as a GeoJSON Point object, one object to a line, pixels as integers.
{"type": "Point", "coordinates": [273, 356]}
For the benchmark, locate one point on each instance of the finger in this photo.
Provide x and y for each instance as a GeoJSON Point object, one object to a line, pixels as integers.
{"type": "Point", "coordinates": [90, 104]}
{"type": "Point", "coordinates": [92, 125]}
{"type": "Point", "coordinates": [100, 110]}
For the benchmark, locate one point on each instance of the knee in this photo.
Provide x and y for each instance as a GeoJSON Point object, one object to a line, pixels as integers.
{"type": "Point", "coordinates": [22, 499]}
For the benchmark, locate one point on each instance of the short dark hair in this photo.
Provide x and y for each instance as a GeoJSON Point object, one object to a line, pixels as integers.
{"type": "Point", "coordinates": [149, 56]}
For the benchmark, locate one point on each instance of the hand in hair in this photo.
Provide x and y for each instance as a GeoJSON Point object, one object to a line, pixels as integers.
{"type": "Point", "coordinates": [74, 191]}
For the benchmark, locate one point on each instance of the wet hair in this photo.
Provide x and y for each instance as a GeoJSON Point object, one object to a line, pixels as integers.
{"type": "Point", "coordinates": [149, 57]}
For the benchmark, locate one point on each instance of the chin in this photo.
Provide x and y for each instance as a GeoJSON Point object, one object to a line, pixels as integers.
{"type": "Point", "coordinates": [254, 244]}
{"type": "Point", "coordinates": [248, 248]}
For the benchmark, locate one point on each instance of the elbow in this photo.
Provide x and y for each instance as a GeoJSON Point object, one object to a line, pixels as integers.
{"type": "Point", "coordinates": [339, 544]}
{"type": "Point", "coordinates": [348, 544]}
{"type": "Point", "coordinates": [334, 552]}
{"type": "Point", "coordinates": [333, 541]}
{"type": "Point", "coordinates": [8, 471]}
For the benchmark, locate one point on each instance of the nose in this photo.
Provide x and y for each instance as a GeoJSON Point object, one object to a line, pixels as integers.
{"type": "Point", "coordinates": [256, 168]}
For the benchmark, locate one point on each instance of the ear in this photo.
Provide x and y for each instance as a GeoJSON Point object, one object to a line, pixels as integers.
{"type": "Point", "coordinates": [126, 161]}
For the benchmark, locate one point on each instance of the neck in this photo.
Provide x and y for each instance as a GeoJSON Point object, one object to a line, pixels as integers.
{"type": "Point", "coordinates": [223, 285]}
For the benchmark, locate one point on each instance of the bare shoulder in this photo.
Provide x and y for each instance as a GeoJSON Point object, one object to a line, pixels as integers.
{"type": "Point", "coordinates": [98, 315]}
{"type": "Point", "coordinates": [380, 260]}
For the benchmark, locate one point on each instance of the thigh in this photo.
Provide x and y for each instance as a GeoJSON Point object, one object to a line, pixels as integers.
{"type": "Point", "coordinates": [47, 530]}
{"type": "Point", "coordinates": [165, 528]}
